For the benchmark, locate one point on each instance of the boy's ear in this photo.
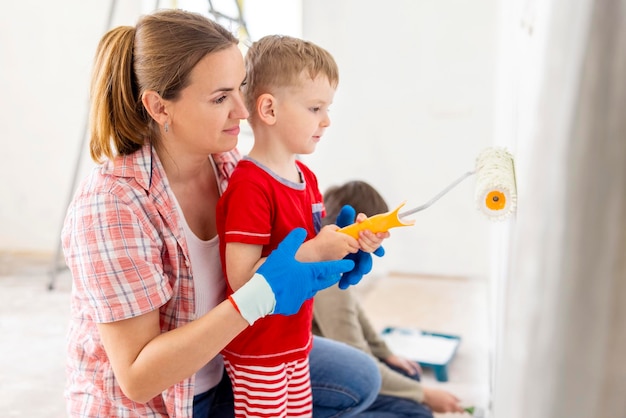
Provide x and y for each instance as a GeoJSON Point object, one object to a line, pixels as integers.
{"type": "Point", "coordinates": [266, 108]}
{"type": "Point", "coordinates": [155, 106]}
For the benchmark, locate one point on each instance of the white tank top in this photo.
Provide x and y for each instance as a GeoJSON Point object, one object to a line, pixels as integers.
{"type": "Point", "coordinates": [210, 291]}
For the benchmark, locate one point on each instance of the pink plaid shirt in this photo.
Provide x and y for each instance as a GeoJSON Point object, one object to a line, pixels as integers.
{"type": "Point", "coordinates": [125, 247]}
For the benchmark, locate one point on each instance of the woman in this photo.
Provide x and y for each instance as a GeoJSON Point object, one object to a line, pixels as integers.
{"type": "Point", "coordinates": [148, 311]}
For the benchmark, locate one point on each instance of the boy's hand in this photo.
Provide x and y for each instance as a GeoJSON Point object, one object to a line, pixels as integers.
{"type": "Point", "coordinates": [362, 260]}
{"type": "Point", "coordinates": [328, 244]}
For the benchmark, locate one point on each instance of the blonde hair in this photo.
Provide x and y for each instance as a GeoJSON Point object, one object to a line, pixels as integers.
{"type": "Point", "coordinates": [157, 54]}
{"type": "Point", "coordinates": [278, 61]}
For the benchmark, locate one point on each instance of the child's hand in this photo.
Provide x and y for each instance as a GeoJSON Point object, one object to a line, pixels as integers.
{"type": "Point", "coordinates": [328, 244]}
{"type": "Point", "coordinates": [441, 401]}
{"type": "Point", "coordinates": [369, 241]}
{"type": "Point", "coordinates": [362, 259]}
{"type": "Point", "coordinates": [410, 367]}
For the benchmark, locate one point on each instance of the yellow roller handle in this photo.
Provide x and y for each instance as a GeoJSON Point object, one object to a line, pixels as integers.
{"type": "Point", "coordinates": [382, 222]}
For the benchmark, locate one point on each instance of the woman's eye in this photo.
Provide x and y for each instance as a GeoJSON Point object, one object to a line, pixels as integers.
{"type": "Point", "coordinates": [315, 109]}
{"type": "Point", "coordinates": [220, 99]}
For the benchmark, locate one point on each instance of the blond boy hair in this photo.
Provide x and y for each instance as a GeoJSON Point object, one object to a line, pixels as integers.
{"type": "Point", "coordinates": [277, 61]}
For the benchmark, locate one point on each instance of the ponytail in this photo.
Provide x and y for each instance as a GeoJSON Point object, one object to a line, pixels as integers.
{"type": "Point", "coordinates": [118, 121]}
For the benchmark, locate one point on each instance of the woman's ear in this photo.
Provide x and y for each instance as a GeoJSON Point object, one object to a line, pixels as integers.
{"type": "Point", "coordinates": [266, 108]}
{"type": "Point", "coordinates": [155, 106]}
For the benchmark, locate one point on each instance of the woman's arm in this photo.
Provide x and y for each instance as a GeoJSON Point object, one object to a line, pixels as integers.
{"type": "Point", "coordinates": [146, 361]}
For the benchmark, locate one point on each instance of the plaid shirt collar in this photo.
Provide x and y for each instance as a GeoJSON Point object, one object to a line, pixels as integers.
{"type": "Point", "coordinates": [144, 164]}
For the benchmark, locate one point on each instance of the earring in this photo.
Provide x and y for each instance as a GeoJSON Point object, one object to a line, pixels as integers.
{"type": "Point", "coordinates": [166, 127]}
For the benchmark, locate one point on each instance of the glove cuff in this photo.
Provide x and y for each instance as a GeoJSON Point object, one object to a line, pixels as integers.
{"type": "Point", "coordinates": [254, 300]}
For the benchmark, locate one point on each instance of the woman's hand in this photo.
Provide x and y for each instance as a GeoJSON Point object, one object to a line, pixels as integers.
{"type": "Point", "coordinates": [273, 290]}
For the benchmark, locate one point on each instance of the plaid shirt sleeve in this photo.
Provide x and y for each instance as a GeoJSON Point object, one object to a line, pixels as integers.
{"type": "Point", "coordinates": [120, 241]}
{"type": "Point", "coordinates": [116, 252]}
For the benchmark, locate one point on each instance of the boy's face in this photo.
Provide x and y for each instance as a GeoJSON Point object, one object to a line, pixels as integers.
{"type": "Point", "coordinates": [302, 113]}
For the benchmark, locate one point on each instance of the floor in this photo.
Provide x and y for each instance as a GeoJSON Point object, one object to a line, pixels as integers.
{"type": "Point", "coordinates": [456, 306]}
{"type": "Point", "coordinates": [33, 321]}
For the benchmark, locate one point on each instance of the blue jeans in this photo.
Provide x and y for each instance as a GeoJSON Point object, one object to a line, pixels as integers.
{"type": "Point", "coordinates": [344, 382]}
{"type": "Point", "coordinates": [217, 402]}
{"type": "Point", "coordinates": [385, 406]}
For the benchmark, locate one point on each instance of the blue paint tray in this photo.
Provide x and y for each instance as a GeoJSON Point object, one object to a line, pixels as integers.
{"type": "Point", "coordinates": [430, 349]}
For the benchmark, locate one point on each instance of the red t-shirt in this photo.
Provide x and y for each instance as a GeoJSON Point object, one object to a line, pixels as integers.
{"type": "Point", "coordinates": [261, 208]}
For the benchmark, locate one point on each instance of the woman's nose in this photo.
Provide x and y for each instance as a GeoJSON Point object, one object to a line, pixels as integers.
{"type": "Point", "coordinates": [240, 111]}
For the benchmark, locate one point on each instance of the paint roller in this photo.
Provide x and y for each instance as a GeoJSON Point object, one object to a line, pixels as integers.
{"type": "Point", "coordinates": [495, 194]}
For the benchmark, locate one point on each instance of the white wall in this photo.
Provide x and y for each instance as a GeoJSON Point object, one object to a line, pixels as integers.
{"type": "Point", "coordinates": [46, 53]}
{"type": "Point", "coordinates": [413, 109]}
{"type": "Point", "coordinates": [564, 323]}
{"type": "Point", "coordinates": [46, 50]}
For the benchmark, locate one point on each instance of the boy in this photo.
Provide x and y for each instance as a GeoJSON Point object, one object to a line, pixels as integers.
{"type": "Point", "coordinates": [290, 85]}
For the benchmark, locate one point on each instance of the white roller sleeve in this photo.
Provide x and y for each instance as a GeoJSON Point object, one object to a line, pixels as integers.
{"type": "Point", "coordinates": [496, 193]}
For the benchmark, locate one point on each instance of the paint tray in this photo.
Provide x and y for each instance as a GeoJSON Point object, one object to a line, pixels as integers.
{"type": "Point", "coordinates": [430, 349]}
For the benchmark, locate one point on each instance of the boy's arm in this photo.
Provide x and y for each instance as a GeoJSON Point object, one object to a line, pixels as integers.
{"type": "Point", "coordinates": [242, 261]}
{"type": "Point", "coordinates": [328, 244]}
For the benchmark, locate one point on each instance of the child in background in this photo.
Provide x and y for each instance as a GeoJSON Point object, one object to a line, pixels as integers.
{"type": "Point", "coordinates": [290, 86]}
{"type": "Point", "coordinates": [401, 393]}
{"type": "Point", "coordinates": [338, 315]}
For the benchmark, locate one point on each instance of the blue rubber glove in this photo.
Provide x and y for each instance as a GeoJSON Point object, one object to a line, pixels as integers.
{"type": "Point", "coordinates": [282, 284]}
{"type": "Point", "coordinates": [362, 260]}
